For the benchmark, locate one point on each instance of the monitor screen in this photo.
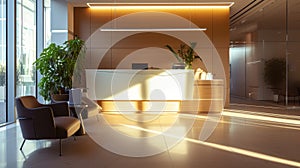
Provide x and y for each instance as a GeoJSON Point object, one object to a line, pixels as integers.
{"type": "Point", "coordinates": [139, 65]}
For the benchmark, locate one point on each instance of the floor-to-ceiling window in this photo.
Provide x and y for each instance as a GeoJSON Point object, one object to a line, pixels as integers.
{"type": "Point", "coordinates": [2, 61]}
{"type": "Point", "coordinates": [20, 29]}
{"type": "Point", "coordinates": [26, 47]}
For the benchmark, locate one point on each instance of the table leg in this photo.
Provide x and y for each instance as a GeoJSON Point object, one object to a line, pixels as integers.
{"type": "Point", "coordinates": [81, 121]}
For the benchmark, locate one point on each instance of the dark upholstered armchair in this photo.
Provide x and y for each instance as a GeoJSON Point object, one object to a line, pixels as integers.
{"type": "Point", "coordinates": [45, 121]}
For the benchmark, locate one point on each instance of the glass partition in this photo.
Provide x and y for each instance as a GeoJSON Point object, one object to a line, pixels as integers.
{"type": "Point", "coordinates": [264, 47]}
{"type": "Point", "coordinates": [292, 56]}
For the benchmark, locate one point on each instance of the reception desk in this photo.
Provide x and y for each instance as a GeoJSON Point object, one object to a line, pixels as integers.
{"type": "Point", "coordinates": [153, 91]}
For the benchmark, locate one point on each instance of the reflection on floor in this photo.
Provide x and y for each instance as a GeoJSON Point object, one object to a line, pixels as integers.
{"type": "Point", "coordinates": [248, 137]}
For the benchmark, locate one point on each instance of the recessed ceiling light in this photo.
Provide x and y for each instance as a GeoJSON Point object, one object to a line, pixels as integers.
{"type": "Point", "coordinates": [161, 5]}
{"type": "Point", "coordinates": [151, 29]}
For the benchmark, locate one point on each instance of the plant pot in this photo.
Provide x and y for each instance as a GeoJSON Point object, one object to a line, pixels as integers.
{"type": "Point", "coordinates": [276, 98]}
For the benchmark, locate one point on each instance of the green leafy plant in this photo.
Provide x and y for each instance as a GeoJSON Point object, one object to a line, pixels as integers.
{"type": "Point", "coordinates": [274, 73]}
{"type": "Point", "coordinates": [56, 65]}
{"type": "Point", "coordinates": [185, 54]}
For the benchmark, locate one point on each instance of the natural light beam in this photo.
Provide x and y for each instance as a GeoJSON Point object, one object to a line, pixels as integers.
{"type": "Point", "coordinates": [246, 153]}
{"type": "Point", "coordinates": [264, 114]}
{"type": "Point", "coordinates": [227, 148]}
{"type": "Point", "coordinates": [262, 118]}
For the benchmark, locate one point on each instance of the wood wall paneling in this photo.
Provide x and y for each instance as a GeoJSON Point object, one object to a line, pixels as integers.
{"type": "Point", "coordinates": [82, 23]}
{"type": "Point", "coordinates": [87, 21]}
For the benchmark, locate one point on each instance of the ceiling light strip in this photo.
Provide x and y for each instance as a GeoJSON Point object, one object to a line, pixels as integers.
{"type": "Point", "coordinates": [161, 5]}
{"type": "Point", "coordinates": [150, 29]}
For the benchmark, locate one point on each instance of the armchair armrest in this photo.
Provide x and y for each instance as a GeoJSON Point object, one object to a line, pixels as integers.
{"type": "Point", "coordinates": [60, 109]}
{"type": "Point", "coordinates": [24, 118]}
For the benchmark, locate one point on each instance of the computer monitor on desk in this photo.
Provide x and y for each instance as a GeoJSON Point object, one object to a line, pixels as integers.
{"type": "Point", "coordinates": [139, 65]}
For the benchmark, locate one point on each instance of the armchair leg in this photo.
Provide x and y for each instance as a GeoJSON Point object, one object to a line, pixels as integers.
{"type": "Point", "coordinates": [60, 147]}
{"type": "Point", "coordinates": [22, 144]}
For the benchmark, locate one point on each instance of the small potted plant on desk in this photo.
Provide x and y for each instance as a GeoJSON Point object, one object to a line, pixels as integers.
{"type": "Point", "coordinates": [185, 54]}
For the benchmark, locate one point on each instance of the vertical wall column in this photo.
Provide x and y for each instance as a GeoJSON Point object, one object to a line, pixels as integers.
{"type": "Point", "coordinates": [39, 38]}
{"type": "Point", "coordinates": [70, 22]}
{"type": "Point", "coordinates": [11, 56]}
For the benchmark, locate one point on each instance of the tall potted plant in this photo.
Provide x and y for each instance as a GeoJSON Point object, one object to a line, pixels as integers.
{"type": "Point", "coordinates": [56, 65]}
{"type": "Point", "coordinates": [274, 75]}
{"type": "Point", "coordinates": [185, 54]}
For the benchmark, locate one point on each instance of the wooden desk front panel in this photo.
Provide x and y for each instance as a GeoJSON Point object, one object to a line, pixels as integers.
{"type": "Point", "coordinates": [208, 97]}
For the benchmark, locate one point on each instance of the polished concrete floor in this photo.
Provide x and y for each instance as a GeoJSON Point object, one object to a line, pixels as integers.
{"type": "Point", "coordinates": [243, 136]}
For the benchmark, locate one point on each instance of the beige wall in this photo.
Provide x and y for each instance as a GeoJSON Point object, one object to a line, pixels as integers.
{"type": "Point", "coordinates": [88, 21]}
